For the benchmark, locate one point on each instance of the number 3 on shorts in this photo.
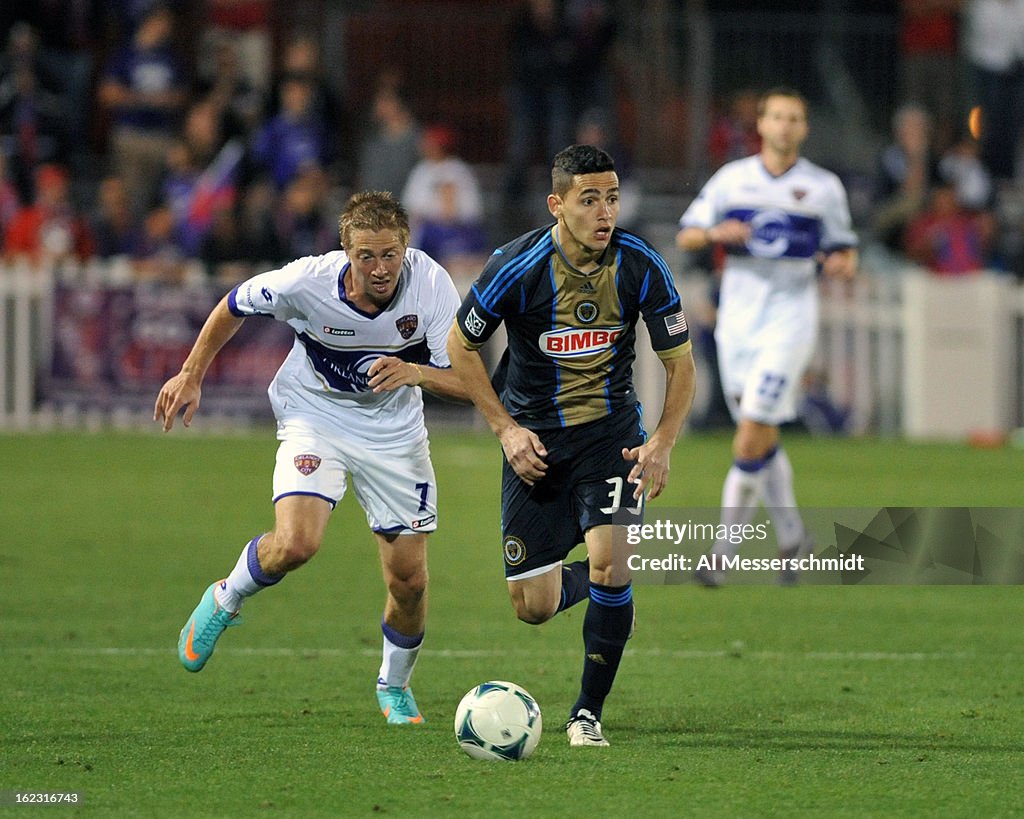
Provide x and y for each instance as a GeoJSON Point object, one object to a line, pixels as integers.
{"type": "Point", "coordinates": [616, 497]}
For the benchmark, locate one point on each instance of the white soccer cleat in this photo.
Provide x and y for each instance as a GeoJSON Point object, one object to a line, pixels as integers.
{"type": "Point", "coordinates": [584, 730]}
{"type": "Point", "coordinates": [709, 578]}
{"type": "Point", "coordinates": [790, 576]}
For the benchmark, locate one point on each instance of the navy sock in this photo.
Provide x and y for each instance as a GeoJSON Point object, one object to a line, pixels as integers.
{"type": "Point", "coordinates": [575, 583]}
{"type": "Point", "coordinates": [605, 631]}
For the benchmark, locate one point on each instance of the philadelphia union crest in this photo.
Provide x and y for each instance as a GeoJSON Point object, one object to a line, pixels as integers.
{"type": "Point", "coordinates": [587, 311]}
{"type": "Point", "coordinates": [515, 550]}
{"type": "Point", "coordinates": [407, 325]}
{"type": "Point", "coordinates": [307, 464]}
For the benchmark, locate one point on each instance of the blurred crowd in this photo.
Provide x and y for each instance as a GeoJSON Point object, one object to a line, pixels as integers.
{"type": "Point", "coordinates": [123, 135]}
{"type": "Point", "coordinates": [946, 191]}
{"type": "Point", "coordinates": [196, 151]}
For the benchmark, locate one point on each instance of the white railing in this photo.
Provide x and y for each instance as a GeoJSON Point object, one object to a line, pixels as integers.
{"type": "Point", "coordinates": [908, 353]}
{"type": "Point", "coordinates": [903, 352]}
{"type": "Point", "coordinates": [860, 350]}
{"type": "Point", "coordinates": [26, 328]}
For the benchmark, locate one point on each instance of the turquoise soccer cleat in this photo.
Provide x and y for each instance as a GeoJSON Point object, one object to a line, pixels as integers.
{"type": "Point", "coordinates": [399, 706]}
{"type": "Point", "coordinates": [202, 630]}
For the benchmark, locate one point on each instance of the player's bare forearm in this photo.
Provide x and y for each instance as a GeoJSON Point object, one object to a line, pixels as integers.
{"type": "Point", "coordinates": [523, 448]}
{"type": "Point", "coordinates": [217, 331]}
{"type": "Point", "coordinates": [445, 383]}
{"type": "Point", "coordinates": [468, 367]}
{"type": "Point", "coordinates": [729, 232]}
{"type": "Point", "coordinates": [389, 373]}
{"type": "Point", "coordinates": [692, 238]}
{"type": "Point", "coordinates": [184, 390]}
{"type": "Point", "coordinates": [841, 264]}
{"type": "Point", "coordinates": [651, 469]}
{"type": "Point", "coordinates": [680, 386]}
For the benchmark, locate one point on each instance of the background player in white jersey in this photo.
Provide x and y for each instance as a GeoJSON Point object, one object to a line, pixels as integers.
{"type": "Point", "coordinates": [370, 326]}
{"type": "Point", "coordinates": [779, 217]}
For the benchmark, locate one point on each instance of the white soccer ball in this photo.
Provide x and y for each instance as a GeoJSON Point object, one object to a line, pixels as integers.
{"type": "Point", "coordinates": [498, 720]}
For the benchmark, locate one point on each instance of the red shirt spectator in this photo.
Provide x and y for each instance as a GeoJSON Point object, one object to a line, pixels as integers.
{"type": "Point", "coordinates": [947, 239]}
{"type": "Point", "coordinates": [734, 135]}
{"type": "Point", "coordinates": [49, 229]}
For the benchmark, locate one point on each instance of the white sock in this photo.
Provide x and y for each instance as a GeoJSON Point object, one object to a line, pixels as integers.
{"type": "Point", "coordinates": [781, 501]}
{"type": "Point", "coordinates": [245, 579]}
{"type": "Point", "coordinates": [741, 495]}
{"type": "Point", "coordinates": [398, 657]}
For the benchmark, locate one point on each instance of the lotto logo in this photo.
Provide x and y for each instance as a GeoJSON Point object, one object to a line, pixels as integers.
{"type": "Point", "coordinates": [474, 324]}
{"type": "Point", "coordinates": [575, 341]}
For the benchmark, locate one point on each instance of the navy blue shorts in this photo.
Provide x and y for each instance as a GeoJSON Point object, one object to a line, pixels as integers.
{"type": "Point", "coordinates": [585, 486]}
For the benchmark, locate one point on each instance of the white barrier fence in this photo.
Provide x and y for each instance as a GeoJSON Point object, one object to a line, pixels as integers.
{"type": "Point", "coordinates": [904, 353]}
{"type": "Point", "coordinates": [926, 356]}
{"type": "Point", "coordinates": [26, 331]}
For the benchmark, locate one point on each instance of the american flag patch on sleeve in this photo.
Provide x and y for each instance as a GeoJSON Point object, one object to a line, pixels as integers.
{"type": "Point", "coordinates": [676, 323]}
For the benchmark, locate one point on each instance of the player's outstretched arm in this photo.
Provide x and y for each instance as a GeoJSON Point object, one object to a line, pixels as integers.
{"type": "Point", "coordinates": [650, 472]}
{"type": "Point", "coordinates": [523, 448]}
{"type": "Point", "coordinates": [184, 390]}
{"type": "Point", "coordinates": [729, 232]}
{"type": "Point", "coordinates": [841, 264]}
{"type": "Point", "coordinates": [389, 373]}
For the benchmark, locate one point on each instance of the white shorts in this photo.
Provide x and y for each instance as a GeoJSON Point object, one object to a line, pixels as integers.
{"type": "Point", "coordinates": [763, 385]}
{"type": "Point", "coordinates": [396, 489]}
{"type": "Point", "coordinates": [765, 338]}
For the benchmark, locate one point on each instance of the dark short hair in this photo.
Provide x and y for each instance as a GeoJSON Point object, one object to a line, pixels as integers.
{"type": "Point", "coordinates": [577, 159]}
{"type": "Point", "coordinates": [373, 210]}
{"type": "Point", "coordinates": [780, 91]}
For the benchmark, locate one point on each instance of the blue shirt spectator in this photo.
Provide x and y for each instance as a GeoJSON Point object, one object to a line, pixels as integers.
{"type": "Point", "coordinates": [293, 140]}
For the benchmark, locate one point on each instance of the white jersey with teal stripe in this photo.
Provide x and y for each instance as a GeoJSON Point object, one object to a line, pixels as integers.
{"type": "Point", "coordinates": [324, 378]}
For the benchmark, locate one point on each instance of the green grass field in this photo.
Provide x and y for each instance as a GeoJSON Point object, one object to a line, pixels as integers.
{"type": "Point", "coordinates": [745, 701]}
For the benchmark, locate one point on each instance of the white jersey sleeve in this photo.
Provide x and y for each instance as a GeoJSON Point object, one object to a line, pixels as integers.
{"type": "Point", "coordinates": [273, 293]}
{"type": "Point", "coordinates": [445, 301]}
{"type": "Point", "coordinates": [705, 211]}
{"type": "Point", "coordinates": [837, 226]}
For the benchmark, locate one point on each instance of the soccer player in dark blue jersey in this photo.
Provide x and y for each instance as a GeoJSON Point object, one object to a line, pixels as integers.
{"type": "Point", "coordinates": [577, 458]}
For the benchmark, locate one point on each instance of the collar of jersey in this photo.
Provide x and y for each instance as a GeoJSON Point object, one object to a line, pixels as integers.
{"type": "Point", "coordinates": [558, 248]}
{"type": "Point", "coordinates": [360, 311]}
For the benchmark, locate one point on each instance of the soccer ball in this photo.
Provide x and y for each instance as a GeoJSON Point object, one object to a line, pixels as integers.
{"type": "Point", "coordinates": [498, 720]}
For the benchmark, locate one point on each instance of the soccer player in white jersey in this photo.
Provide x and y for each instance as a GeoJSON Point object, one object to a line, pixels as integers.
{"type": "Point", "coordinates": [370, 325]}
{"type": "Point", "coordinates": [779, 218]}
